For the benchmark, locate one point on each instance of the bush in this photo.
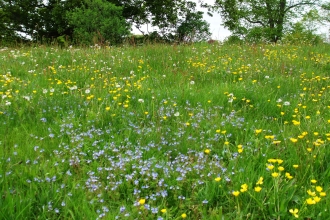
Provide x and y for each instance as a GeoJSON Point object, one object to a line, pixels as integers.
{"type": "Point", "coordinates": [98, 22]}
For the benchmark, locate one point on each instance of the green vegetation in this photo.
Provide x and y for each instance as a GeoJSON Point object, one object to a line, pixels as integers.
{"type": "Point", "coordinates": [205, 131]}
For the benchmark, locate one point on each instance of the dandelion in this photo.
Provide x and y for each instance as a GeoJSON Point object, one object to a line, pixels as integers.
{"type": "Point", "coordinates": [257, 131]}
{"type": "Point", "coordinates": [323, 194]}
{"type": "Point", "coordinates": [270, 167]}
{"type": "Point", "coordinates": [313, 181]}
{"type": "Point", "coordinates": [163, 211]}
{"type": "Point", "coordinates": [288, 175]}
{"type": "Point", "coordinates": [207, 151]}
{"type": "Point", "coordinates": [107, 108]}
{"type": "Point", "coordinates": [294, 212]}
{"type": "Point", "coordinates": [295, 166]}
{"type": "Point", "coordinates": [184, 215]}
{"type": "Point", "coordinates": [293, 140]}
{"type": "Point", "coordinates": [280, 168]}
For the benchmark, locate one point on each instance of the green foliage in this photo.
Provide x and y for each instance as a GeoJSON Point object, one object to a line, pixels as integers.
{"type": "Point", "coordinates": [98, 22]}
{"type": "Point", "coordinates": [193, 28]}
{"type": "Point", "coordinates": [260, 19]}
{"type": "Point", "coordinates": [299, 34]}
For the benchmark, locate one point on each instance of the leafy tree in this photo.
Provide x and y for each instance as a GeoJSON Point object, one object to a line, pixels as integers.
{"type": "Point", "coordinates": [98, 21]}
{"type": "Point", "coordinates": [192, 27]}
{"type": "Point", "coordinates": [265, 18]}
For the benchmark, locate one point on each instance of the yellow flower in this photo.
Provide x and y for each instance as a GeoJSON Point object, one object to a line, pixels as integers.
{"type": "Point", "coordinates": [270, 167]}
{"type": "Point", "coordinates": [317, 199]}
{"type": "Point", "coordinates": [319, 188]}
{"type": "Point", "coordinates": [310, 201]}
{"type": "Point", "coordinates": [293, 140]}
{"type": "Point", "coordinates": [323, 194]}
{"type": "Point", "coordinates": [275, 174]}
{"type": "Point", "coordinates": [235, 193]}
{"type": "Point", "coordinates": [107, 108]}
{"type": "Point", "coordinates": [271, 160]}
{"type": "Point", "coordinates": [311, 193]}
{"type": "Point", "coordinates": [280, 168]}
{"type": "Point", "coordinates": [288, 175]}
{"type": "Point", "coordinates": [279, 161]}
{"type": "Point", "coordinates": [257, 131]}
{"type": "Point", "coordinates": [163, 210]}
{"type": "Point", "coordinates": [217, 179]}
{"type": "Point", "coordinates": [260, 181]}
{"type": "Point", "coordinates": [257, 188]}
{"type": "Point", "coordinates": [294, 212]}
{"type": "Point", "coordinates": [244, 187]}
{"type": "Point", "coordinates": [184, 215]}
{"type": "Point", "coordinates": [218, 131]}
{"type": "Point", "coordinates": [295, 166]}
{"type": "Point", "coordinates": [240, 150]}
{"type": "Point", "coordinates": [313, 181]}
{"type": "Point", "coordinates": [142, 201]}
{"type": "Point", "coordinates": [207, 151]}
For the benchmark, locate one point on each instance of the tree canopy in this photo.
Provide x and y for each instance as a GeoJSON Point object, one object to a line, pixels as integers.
{"type": "Point", "coordinates": [47, 20]}
{"type": "Point", "coordinates": [261, 18]}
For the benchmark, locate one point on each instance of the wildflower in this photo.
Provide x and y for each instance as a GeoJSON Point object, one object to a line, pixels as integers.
{"type": "Point", "coordinates": [288, 175]}
{"type": "Point", "coordinates": [279, 161]}
{"type": "Point", "coordinates": [319, 188]}
{"type": "Point", "coordinates": [244, 188]}
{"type": "Point", "coordinates": [293, 140]}
{"type": "Point", "coordinates": [311, 193]}
{"type": "Point", "coordinates": [310, 201]}
{"type": "Point", "coordinates": [323, 194]}
{"type": "Point", "coordinates": [317, 199]}
{"type": "Point", "coordinates": [207, 151]}
{"type": "Point", "coordinates": [235, 193]}
{"type": "Point", "coordinates": [257, 188]}
{"type": "Point", "coordinates": [217, 179]}
{"type": "Point", "coordinates": [177, 114]}
{"type": "Point", "coordinates": [295, 166]}
{"type": "Point", "coordinates": [270, 167]}
{"type": "Point", "coordinates": [275, 174]}
{"type": "Point", "coordinates": [107, 108]}
{"type": "Point", "coordinates": [271, 160]}
{"type": "Point", "coordinates": [218, 131]}
{"type": "Point", "coordinates": [184, 215]}
{"type": "Point", "coordinates": [260, 181]}
{"type": "Point", "coordinates": [142, 201]}
{"type": "Point", "coordinates": [257, 131]}
{"type": "Point", "coordinates": [141, 100]}
{"type": "Point", "coordinates": [294, 212]}
{"type": "Point", "coordinates": [280, 168]}
{"type": "Point", "coordinates": [313, 181]}
{"type": "Point", "coordinates": [163, 210]}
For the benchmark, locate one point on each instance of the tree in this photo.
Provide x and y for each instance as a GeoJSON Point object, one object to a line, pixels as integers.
{"type": "Point", "coordinates": [192, 27]}
{"type": "Point", "coordinates": [265, 18]}
{"type": "Point", "coordinates": [98, 21]}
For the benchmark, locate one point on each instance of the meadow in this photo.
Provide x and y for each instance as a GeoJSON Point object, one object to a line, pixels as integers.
{"type": "Point", "coordinates": [201, 131]}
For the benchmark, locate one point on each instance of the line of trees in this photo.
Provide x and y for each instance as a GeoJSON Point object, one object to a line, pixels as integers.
{"type": "Point", "coordinates": [101, 21]}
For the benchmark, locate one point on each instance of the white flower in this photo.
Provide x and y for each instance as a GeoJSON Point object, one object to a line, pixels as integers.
{"type": "Point", "coordinates": [279, 100]}
{"type": "Point", "coordinates": [141, 100]}
{"type": "Point", "coordinates": [52, 90]}
{"type": "Point", "coordinates": [87, 91]}
{"type": "Point", "coordinates": [44, 91]}
{"type": "Point", "coordinates": [286, 103]}
{"type": "Point", "coordinates": [73, 88]}
{"type": "Point", "coordinates": [267, 77]}
{"type": "Point", "coordinates": [192, 82]}
{"type": "Point", "coordinates": [176, 114]}
{"type": "Point", "coordinates": [28, 98]}
{"type": "Point", "coordinates": [8, 103]}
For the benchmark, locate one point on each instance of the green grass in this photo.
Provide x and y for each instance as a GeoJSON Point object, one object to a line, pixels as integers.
{"type": "Point", "coordinates": [89, 133]}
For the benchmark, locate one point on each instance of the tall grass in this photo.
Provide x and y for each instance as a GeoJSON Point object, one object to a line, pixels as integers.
{"type": "Point", "coordinates": [165, 132]}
